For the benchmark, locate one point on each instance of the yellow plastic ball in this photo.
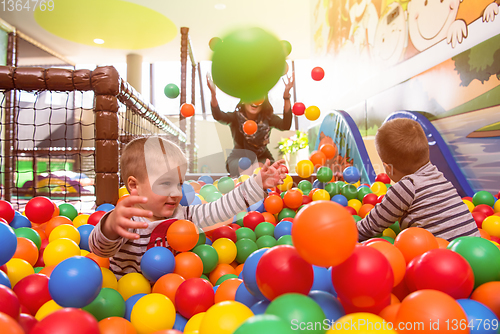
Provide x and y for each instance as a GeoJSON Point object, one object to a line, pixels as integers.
{"type": "Point", "coordinates": [355, 204]}
{"type": "Point", "coordinates": [224, 317]}
{"type": "Point", "coordinates": [84, 252]}
{"type": "Point", "coordinates": [65, 231]}
{"type": "Point", "coordinates": [389, 232]}
{"type": "Point", "coordinates": [287, 184]}
{"type": "Point", "coordinates": [469, 204]}
{"type": "Point", "coordinates": [80, 220]}
{"type": "Point", "coordinates": [243, 178]}
{"type": "Point", "coordinates": [321, 195]}
{"type": "Point", "coordinates": [256, 170]}
{"type": "Point", "coordinates": [17, 269]}
{"type": "Point", "coordinates": [59, 250]}
{"type": "Point", "coordinates": [49, 307]}
{"type": "Point", "coordinates": [193, 324]}
{"type": "Point", "coordinates": [357, 184]}
{"type": "Point", "coordinates": [378, 188]}
{"type": "Point", "coordinates": [122, 191]}
{"type": "Point", "coordinates": [132, 284]}
{"type": "Point", "coordinates": [295, 188]}
{"type": "Point", "coordinates": [153, 312]}
{"type": "Point", "coordinates": [367, 323]}
{"type": "Point", "coordinates": [109, 279]}
{"type": "Point", "coordinates": [491, 225]}
{"type": "Point", "coordinates": [226, 249]}
{"type": "Point", "coordinates": [495, 243]}
{"type": "Point", "coordinates": [304, 168]}
{"type": "Point", "coordinates": [312, 113]}
{"type": "Point", "coordinates": [496, 207]}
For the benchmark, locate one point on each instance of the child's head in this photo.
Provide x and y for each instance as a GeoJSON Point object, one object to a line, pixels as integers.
{"type": "Point", "coordinates": [402, 146]}
{"type": "Point", "coordinates": [155, 168]}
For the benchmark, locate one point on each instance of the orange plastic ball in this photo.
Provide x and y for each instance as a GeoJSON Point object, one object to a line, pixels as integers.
{"type": "Point", "coordinates": [227, 290]}
{"type": "Point", "coordinates": [269, 217]}
{"type": "Point", "coordinates": [187, 110]}
{"type": "Point", "coordinates": [196, 186]}
{"type": "Point", "coordinates": [319, 225]}
{"type": "Point", "coordinates": [442, 243]}
{"type": "Point", "coordinates": [26, 250]}
{"type": "Point", "coordinates": [293, 199]}
{"type": "Point", "coordinates": [318, 158]}
{"type": "Point", "coordinates": [273, 204]}
{"type": "Point", "coordinates": [329, 150]}
{"type": "Point", "coordinates": [54, 222]}
{"type": "Point", "coordinates": [167, 285]}
{"type": "Point", "coordinates": [238, 269]}
{"type": "Point", "coordinates": [415, 241]}
{"type": "Point", "coordinates": [219, 271]}
{"type": "Point", "coordinates": [484, 234]}
{"type": "Point", "coordinates": [9, 325]}
{"type": "Point", "coordinates": [182, 235]}
{"type": "Point", "coordinates": [364, 209]}
{"type": "Point", "coordinates": [116, 325]}
{"type": "Point", "coordinates": [250, 127]}
{"type": "Point", "coordinates": [389, 312]}
{"type": "Point", "coordinates": [489, 295]}
{"type": "Point", "coordinates": [431, 310]}
{"type": "Point", "coordinates": [394, 256]}
{"type": "Point", "coordinates": [102, 262]}
{"type": "Point", "coordinates": [188, 265]}
{"type": "Point", "coordinates": [47, 270]}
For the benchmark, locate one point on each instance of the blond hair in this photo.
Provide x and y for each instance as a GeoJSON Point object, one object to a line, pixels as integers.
{"type": "Point", "coordinates": [402, 143]}
{"type": "Point", "coordinates": [148, 157]}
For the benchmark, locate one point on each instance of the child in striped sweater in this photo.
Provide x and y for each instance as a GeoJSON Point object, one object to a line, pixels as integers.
{"type": "Point", "coordinates": [153, 170]}
{"type": "Point", "coordinates": [422, 196]}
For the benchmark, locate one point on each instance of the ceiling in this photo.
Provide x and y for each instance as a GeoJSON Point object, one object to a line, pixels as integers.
{"type": "Point", "coordinates": [288, 19]}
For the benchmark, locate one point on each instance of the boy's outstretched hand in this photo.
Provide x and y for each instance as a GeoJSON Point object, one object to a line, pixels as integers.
{"type": "Point", "coordinates": [272, 175]}
{"type": "Point", "coordinates": [120, 220]}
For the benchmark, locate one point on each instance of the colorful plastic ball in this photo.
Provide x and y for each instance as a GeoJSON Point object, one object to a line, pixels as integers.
{"type": "Point", "coordinates": [59, 250]}
{"type": "Point", "coordinates": [20, 221]}
{"type": "Point", "coordinates": [208, 256]}
{"type": "Point", "coordinates": [225, 184]}
{"type": "Point", "coordinates": [130, 302]}
{"type": "Point", "coordinates": [39, 209]}
{"type": "Point", "coordinates": [349, 191]}
{"type": "Point", "coordinates": [29, 233]}
{"type": "Point", "coordinates": [265, 241]}
{"type": "Point", "coordinates": [182, 235]}
{"type": "Point", "coordinates": [330, 305]}
{"type": "Point", "coordinates": [84, 231]}
{"type": "Point", "coordinates": [369, 198]}
{"type": "Point", "coordinates": [188, 265]}
{"type": "Point", "coordinates": [264, 228]}
{"type": "Point", "coordinates": [222, 269]}
{"type": "Point", "coordinates": [226, 250]}
{"type": "Point", "coordinates": [383, 177]}
{"type": "Point", "coordinates": [286, 213]}
{"type": "Point", "coordinates": [188, 194]}
{"type": "Point", "coordinates": [250, 127]}
{"type": "Point", "coordinates": [214, 41]}
{"type": "Point", "coordinates": [317, 73]}
{"type": "Point", "coordinates": [483, 197]}
{"type": "Point", "coordinates": [224, 232]}
{"type": "Point", "coordinates": [324, 174]}
{"type": "Point", "coordinates": [496, 207]}
{"type": "Point", "coordinates": [273, 204]}
{"type": "Point", "coordinates": [4, 279]}
{"type": "Point", "coordinates": [17, 269]}
{"type": "Point", "coordinates": [351, 174]}
{"type": "Point", "coordinates": [415, 241]}
{"type": "Point", "coordinates": [95, 217]}
{"type": "Point", "coordinates": [297, 311]}
{"type": "Point", "coordinates": [108, 303]}
{"type": "Point", "coordinates": [65, 231]}
{"type": "Point", "coordinates": [487, 294]}
{"type": "Point", "coordinates": [304, 185]}
{"type": "Point", "coordinates": [133, 283]}
{"type": "Point", "coordinates": [284, 227]}
{"type": "Point", "coordinates": [318, 158]}
{"type": "Point", "coordinates": [249, 273]}
{"type": "Point", "coordinates": [9, 303]}
{"type": "Point", "coordinates": [329, 150]}
{"type": "Point", "coordinates": [171, 91]}
{"type": "Point", "coordinates": [80, 220]}
{"type": "Point", "coordinates": [244, 296]}
{"type": "Point", "coordinates": [252, 219]}
{"type": "Point", "coordinates": [378, 188]}
{"type": "Point", "coordinates": [317, 185]}
{"type": "Point", "coordinates": [340, 199]}
{"type": "Point", "coordinates": [26, 250]}
{"type": "Point", "coordinates": [321, 195]}
{"type": "Point", "coordinates": [156, 262]}
{"type": "Point", "coordinates": [491, 225]}
{"type": "Point", "coordinates": [245, 233]}
{"type": "Point", "coordinates": [227, 290]}
{"type": "Point", "coordinates": [116, 325]}
{"type": "Point", "coordinates": [292, 199]}
{"type": "Point", "coordinates": [276, 265]}
{"type": "Point", "coordinates": [7, 212]}
{"type": "Point", "coordinates": [394, 256]}
{"type": "Point", "coordinates": [244, 163]}
{"type": "Point", "coordinates": [304, 168]}
{"type": "Point", "coordinates": [483, 208]}
{"type": "Point", "coordinates": [187, 110]}
{"type": "Point", "coordinates": [323, 223]}
{"type": "Point", "coordinates": [298, 108]}
{"type": "Point", "coordinates": [244, 248]}
{"type": "Point", "coordinates": [67, 320]}
{"type": "Point", "coordinates": [482, 255]}
{"type": "Point", "coordinates": [168, 285]}
{"type": "Point", "coordinates": [8, 243]}
{"type": "Point", "coordinates": [264, 323]}
{"type": "Point", "coordinates": [224, 317]}
{"type": "Point", "coordinates": [312, 113]}
{"type": "Point", "coordinates": [193, 296]}
{"type": "Point", "coordinates": [480, 317]}
{"type": "Point", "coordinates": [152, 313]}
{"type": "Point", "coordinates": [104, 207]}
{"type": "Point", "coordinates": [287, 183]}
{"type": "Point", "coordinates": [248, 63]}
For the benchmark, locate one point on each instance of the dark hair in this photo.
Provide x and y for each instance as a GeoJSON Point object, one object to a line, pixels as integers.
{"type": "Point", "coordinates": [266, 111]}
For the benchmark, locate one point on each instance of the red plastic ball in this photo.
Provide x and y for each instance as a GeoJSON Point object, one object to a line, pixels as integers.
{"type": "Point", "coordinates": [193, 296]}
{"type": "Point", "coordinates": [351, 210]}
{"type": "Point", "coordinates": [39, 209]}
{"type": "Point", "coordinates": [317, 73]}
{"type": "Point", "coordinates": [383, 177]}
{"type": "Point", "coordinates": [224, 232]}
{"type": "Point", "coordinates": [306, 199]}
{"type": "Point", "coordinates": [443, 270]}
{"type": "Point", "coordinates": [95, 217]}
{"type": "Point", "coordinates": [282, 270]}
{"type": "Point", "coordinates": [365, 279]}
{"type": "Point", "coordinates": [9, 302]}
{"type": "Point", "coordinates": [478, 218]}
{"type": "Point", "coordinates": [298, 108]}
{"type": "Point", "coordinates": [33, 292]}
{"type": "Point", "coordinates": [379, 199]}
{"type": "Point", "coordinates": [6, 211]}
{"type": "Point", "coordinates": [250, 127]}
{"type": "Point", "coordinates": [67, 320]}
{"type": "Point", "coordinates": [370, 199]}
{"type": "Point", "coordinates": [486, 209]}
{"type": "Point", "coordinates": [235, 226]}
{"type": "Point", "coordinates": [187, 110]}
{"type": "Point", "coordinates": [27, 322]}
{"type": "Point", "coordinates": [252, 219]}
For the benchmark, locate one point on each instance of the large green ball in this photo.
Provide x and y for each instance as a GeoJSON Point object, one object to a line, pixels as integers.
{"type": "Point", "coordinates": [324, 174]}
{"type": "Point", "coordinates": [248, 63]}
{"type": "Point", "coordinates": [264, 323]}
{"type": "Point", "coordinates": [266, 241]}
{"type": "Point", "coordinates": [108, 303]}
{"type": "Point", "coordinates": [245, 233]}
{"type": "Point", "coordinates": [244, 248]}
{"type": "Point", "coordinates": [68, 210]}
{"type": "Point", "coordinates": [208, 256]}
{"type": "Point", "coordinates": [225, 184]}
{"type": "Point", "coordinates": [264, 228]}
{"type": "Point", "coordinates": [482, 255]}
{"type": "Point", "coordinates": [483, 197]}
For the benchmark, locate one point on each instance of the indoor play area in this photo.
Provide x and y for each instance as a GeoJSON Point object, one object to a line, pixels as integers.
{"type": "Point", "coordinates": [234, 256]}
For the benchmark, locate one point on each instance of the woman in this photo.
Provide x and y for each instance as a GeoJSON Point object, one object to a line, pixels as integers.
{"type": "Point", "coordinates": [252, 146]}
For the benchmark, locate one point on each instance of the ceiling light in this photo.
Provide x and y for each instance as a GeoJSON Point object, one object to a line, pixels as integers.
{"type": "Point", "coordinates": [220, 6]}
{"type": "Point", "coordinates": [98, 41]}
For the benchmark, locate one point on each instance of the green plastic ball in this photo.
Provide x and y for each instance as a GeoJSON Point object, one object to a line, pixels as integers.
{"type": "Point", "coordinates": [225, 184]}
{"type": "Point", "coordinates": [483, 197]}
{"type": "Point", "coordinates": [171, 91]}
{"type": "Point", "coordinates": [356, 218]}
{"type": "Point", "coordinates": [362, 191]}
{"type": "Point", "coordinates": [305, 185]}
{"type": "Point", "coordinates": [391, 240]}
{"type": "Point", "coordinates": [225, 278]}
{"type": "Point", "coordinates": [287, 46]}
{"type": "Point", "coordinates": [285, 240]}
{"type": "Point", "coordinates": [286, 213]}
{"type": "Point", "coordinates": [239, 218]}
{"type": "Point", "coordinates": [108, 303]}
{"type": "Point", "coordinates": [68, 210]}
{"type": "Point", "coordinates": [202, 238]}
{"type": "Point", "coordinates": [208, 256]}
{"type": "Point", "coordinates": [395, 227]}
{"type": "Point", "coordinates": [37, 269]}
{"type": "Point", "coordinates": [213, 197]}
{"type": "Point", "coordinates": [264, 228]}
{"type": "Point", "coordinates": [266, 241]}
{"type": "Point", "coordinates": [324, 174]}
{"type": "Point", "coordinates": [264, 323]}
{"type": "Point", "coordinates": [333, 188]}
{"type": "Point", "coordinates": [29, 233]}
{"type": "Point", "coordinates": [244, 248]}
{"type": "Point", "coordinates": [349, 191]}
{"type": "Point", "coordinates": [207, 190]}
{"type": "Point", "coordinates": [245, 233]}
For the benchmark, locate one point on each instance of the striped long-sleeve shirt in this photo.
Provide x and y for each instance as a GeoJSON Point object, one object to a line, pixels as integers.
{"type": "Point", "coordinates": [125, 255]}
{"type": "Point", "coordinates": [425, 199]}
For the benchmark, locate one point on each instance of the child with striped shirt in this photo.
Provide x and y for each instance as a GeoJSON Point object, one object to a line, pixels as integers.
{"type": "Point", "coordinates": [422, 196]}
{"type": "Point", "coordinates": [153, 170]}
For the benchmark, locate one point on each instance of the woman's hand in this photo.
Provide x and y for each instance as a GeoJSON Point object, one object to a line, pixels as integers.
{"type": "Point", "coordinates": [211, 84]}
{"type": "Point", "coordinates": [288, 85]}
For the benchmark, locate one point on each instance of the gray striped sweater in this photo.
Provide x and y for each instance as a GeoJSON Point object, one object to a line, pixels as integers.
{"type": "Point", "coordinates": [424, 199]}
{"type": "Point", "coordinates": [125, 255]}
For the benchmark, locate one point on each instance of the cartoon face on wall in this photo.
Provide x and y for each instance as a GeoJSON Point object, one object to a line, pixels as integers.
{"type": "Point", "coordinates": [429, 21]}
{"type": "Point", "coordinates": [391, 36]}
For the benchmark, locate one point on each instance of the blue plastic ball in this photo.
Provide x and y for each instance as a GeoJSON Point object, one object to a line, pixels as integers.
{"type": "Point", "coordinates": [75, 282]}
{"type": "Point", "coordinates": [340, 199]}
{"type": "Point", "coordinates": [156, 262]}
{"type": "Point", "coordinates": [244, 163]}
{"type": "Point", "coordinates": [322, 279]}
{"type": "Point", "coordinates": [4, 280]}
{"type": "Point", "coordinates": [196, 201]}
{"type": "Point", "coordinates": [260, 307]}
{"type": "Point", "coordinates": [330, 305]}
{"type": "Point", "coordinates": [130, 302]}
{"type": "Point", "coordinates": [105, 207]}
{"type": "Point", "coordinates": [208, 242]}
{"type": "Point", "coordinates": [351, 174]}
{"type": "Point", "coordinates": [318, 185]}
{"type": "Point", "coordinates": [249, 269]}
{"type": "Point", "coordinates": [20, 221]}
{"type": "Point", "coordinates": [188, 194]}
{"type": "Point", "coordinates": [480, 318]}
{"type": "Point", "coordinates": [259, 206]}
{"type": "Point", "coordinates": [284, 227]}
{"type": "Point", "coordinates": [180, 322]}
{"type": "Point", "coordinates": [8, 243]}
{"type": "Point", "coordinates": [244, 296]}
{"type": "Point", "coordinates": [206, 178]}
{"type": "Point", "coordinates": [85, 231]}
